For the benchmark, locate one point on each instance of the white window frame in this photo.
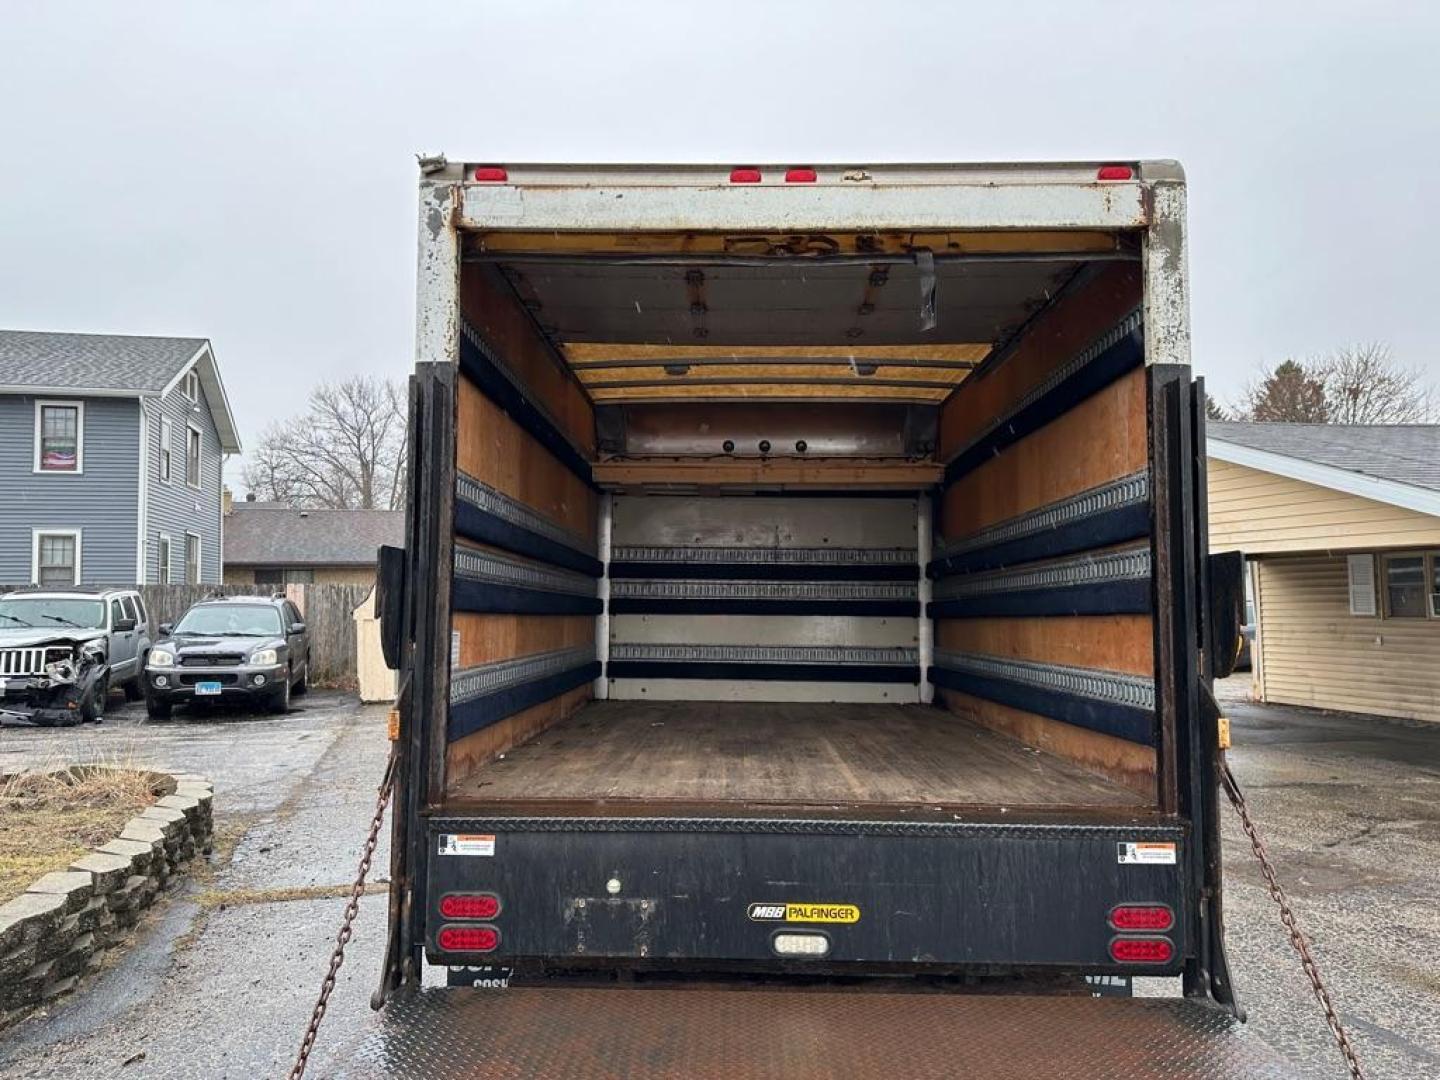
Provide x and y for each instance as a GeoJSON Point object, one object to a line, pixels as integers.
{"type": "Point", "coordinates": [166, 545]}
{"type": "Point", "coordinates": [190, 385]}
{"type": "Point", "coordinates": [199, 457]}
{"type": "Point", "coordinates": [167, 449]}
{"type": "Point", "coordinates": [199, 558]}
{"type": "Point", "coordinates": [35, 537]}
{"type": "Point", "coordinates": [65, 403]}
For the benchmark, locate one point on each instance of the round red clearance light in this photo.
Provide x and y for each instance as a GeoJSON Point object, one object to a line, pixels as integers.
{"type": "Point", "coordinates": [468, 938]}
{"type": "Point", "coordinates": [469, 906]}
{"type": "Point", "coordinates": [1142, 917]}
{"type": "Point", "coordinates": [745, 176]}
{"type": "Point", "coordinates": [800, 176]}
{"type": "Point", "coordinates": [1114, 172]}
{"type": "Point", "coordinates": [1141, 950]}
{"type": "Point", "coordinates": [491, 174]}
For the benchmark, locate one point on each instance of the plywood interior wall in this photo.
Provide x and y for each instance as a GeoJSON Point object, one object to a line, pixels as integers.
{"type": "Point", "coordinates": [493, 448]}
{"type": "Point", "coordinates": [1102, 438]}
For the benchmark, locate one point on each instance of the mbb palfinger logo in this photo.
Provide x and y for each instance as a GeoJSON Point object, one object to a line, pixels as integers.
{"type": "Point", "coordinates": [804, 913]}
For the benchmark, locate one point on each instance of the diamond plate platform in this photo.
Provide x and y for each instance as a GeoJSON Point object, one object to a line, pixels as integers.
{"type": "Point", "coordinates": [709, 1034]}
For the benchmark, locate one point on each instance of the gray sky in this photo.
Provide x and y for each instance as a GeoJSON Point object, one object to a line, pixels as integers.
{"type": "Point", "coordinates": [181, 169]}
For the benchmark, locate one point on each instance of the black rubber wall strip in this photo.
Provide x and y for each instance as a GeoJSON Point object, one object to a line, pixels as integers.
{"type": "Point", "coordinates": [1111, 527]}
{"type": "Point", "coordinates": [1122, 721]}
{"type": "Point", "coordinates": [1131, 597]}
{"type": "Point", "coordinates": [1125, 355]}
{"type": "Point", "coordinates": [628, 605]}
{"type": "Point", "coordinates": [484, 596]}
{"type": "Point", "coordinates": [486, 528]}
{"type": "Point", "coordinates": [467, 717]}
{"type": "Point", "coordinates": [698, 669]}
{"type": "Point", "coordinates": [483, 372]}
{"type": "Point", "coordinates": [657, 571]}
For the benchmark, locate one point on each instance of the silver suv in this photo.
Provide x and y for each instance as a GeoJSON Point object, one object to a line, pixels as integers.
{"type": "Point", "coordinates": [32, 618]}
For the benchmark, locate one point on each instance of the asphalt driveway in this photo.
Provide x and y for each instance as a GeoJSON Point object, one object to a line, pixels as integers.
{"type": "Point", "coordinates": [222, 977]}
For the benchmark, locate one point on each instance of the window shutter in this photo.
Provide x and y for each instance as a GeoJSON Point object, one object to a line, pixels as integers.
{"type": "Point", "coordinates": [1362, 584]}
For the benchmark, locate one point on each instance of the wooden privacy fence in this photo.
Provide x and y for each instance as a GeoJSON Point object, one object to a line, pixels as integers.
{"type": "Point", "coordinates": [328, 611]}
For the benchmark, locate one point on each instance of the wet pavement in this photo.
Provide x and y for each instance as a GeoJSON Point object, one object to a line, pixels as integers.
{"type": "Point", "coordinates": [220, 979]}
{"type": "Point", "coordinates": [1349, 808]}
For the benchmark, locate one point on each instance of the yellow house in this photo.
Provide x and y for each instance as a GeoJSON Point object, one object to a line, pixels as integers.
{"type": "Point", "coordinates": [1341, 525]}
{"type": "Point", "coordinates": [274, 544]}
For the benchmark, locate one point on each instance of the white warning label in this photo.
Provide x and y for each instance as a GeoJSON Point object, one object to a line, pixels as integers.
{"type": "Point", "coordinates": [467, 844]}
{"type": "Point", "coordinates": [1149, 852]}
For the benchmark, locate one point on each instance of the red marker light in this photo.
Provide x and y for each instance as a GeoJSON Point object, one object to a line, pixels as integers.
{"type": "Point", "coordinates": [1114, 172]}
{"type": "Point", "coordinates": [1141, 950]}
{"type": "Point", "coordinates": [1142, 917]}
{"type": "Point", "coordinates": [491, 174]}
{"type": "Point", "coordinates": [469, 906]}
{"type": "Point", "coordinates": [469, 938]}
{"type": "Point", "coordinates": [799, 176]}
{"type": "Point", "coordinates": [744, 176]}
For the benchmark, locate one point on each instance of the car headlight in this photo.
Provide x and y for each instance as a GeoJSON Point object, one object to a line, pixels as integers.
{"type": "Point", "coordinates": [162, 658]}
{"type": "Point", "coordinates": [263, 656]}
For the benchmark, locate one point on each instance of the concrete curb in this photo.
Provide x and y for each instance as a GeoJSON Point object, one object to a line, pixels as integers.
{"type": "Point", "coordinates": [52, 935]}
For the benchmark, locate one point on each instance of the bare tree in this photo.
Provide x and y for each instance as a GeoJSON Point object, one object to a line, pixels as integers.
{"type": "Point", "coordinates": [1365, 385]}
{"type": "Point", "coordinates": [346, 451]}
{"type": "Point", "coordinates": [1287, 393]}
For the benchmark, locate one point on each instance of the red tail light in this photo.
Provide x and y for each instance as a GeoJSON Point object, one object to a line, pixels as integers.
{"type": "Point", "coordinates": [491, 174]}
{"type": "Point", "coordinates": [744, 176]}
{"type": "Point", "coordinates": [1142, 917]}
{"type": "Point", "coordinates": [799, 176]}
{"type": "Point", "coordinates": [1156, 950]}
{"type": "Point", "coordinates": [1114, 172]}
{"type": "Point", "coordinates": [469, 938]}
{"type": "Point", "coordinates": [481, 906]}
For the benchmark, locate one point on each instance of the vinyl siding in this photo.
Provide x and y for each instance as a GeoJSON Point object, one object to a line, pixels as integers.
{"type": "Point", "coordinates": [1314, 652]}
{"type": "Point", "coordinates": [1259, 513]}
{"type": "Point", "coordinates": [102, 501]}
{"type": "Point", "coordinates": [173, 506]}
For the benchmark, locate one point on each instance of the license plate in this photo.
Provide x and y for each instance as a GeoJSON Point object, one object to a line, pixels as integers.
{"type": "Point", "coordinates": [207, 688]}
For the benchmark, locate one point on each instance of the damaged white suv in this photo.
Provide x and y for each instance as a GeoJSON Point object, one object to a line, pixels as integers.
{"type": "Point", "coordinates": [62, 650]}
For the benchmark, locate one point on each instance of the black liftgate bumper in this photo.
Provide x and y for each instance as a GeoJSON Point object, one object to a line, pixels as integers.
{"type": "Point", "coordinates": [689, 1034]}
{"type": "Point", "coordinates": [809, 896]}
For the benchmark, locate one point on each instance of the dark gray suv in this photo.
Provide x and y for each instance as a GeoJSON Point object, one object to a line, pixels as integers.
{"type": "Point", "coordinates": [229, 648]}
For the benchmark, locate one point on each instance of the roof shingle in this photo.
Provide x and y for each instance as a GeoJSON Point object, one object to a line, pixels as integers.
{"type": "Point", "coordinates": [261, 534]}
{"type": "Point", "coordinates": [1400, 453]}
{"type": "Point", "coordinates": [92, 361]}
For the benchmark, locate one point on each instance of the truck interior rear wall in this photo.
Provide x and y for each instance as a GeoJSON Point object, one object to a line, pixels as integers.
{"type": "Point", "coordinates": [813, 543]}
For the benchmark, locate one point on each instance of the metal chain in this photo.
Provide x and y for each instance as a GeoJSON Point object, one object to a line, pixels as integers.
{"type": "Point", "coordinates": [1287, 916]}
{"type": "Point", "coordinates": [352, 909]}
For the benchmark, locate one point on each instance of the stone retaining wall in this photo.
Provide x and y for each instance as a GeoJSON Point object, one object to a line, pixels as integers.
{"type": "Point", "coordinates": [59, 930]}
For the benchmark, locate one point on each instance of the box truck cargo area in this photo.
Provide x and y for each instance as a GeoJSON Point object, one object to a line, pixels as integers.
{"type": "Point", "coordinates": [804, 577]}
{"type": "Point", "coordinates": [737, 463]}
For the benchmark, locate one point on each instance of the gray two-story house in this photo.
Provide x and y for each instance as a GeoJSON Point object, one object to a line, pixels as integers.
{"type": "Point", "coordinates": [111, 451]}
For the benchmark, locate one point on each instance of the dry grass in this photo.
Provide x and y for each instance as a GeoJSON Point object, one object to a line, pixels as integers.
{"type": "Point", "coordinates": [50, 818]}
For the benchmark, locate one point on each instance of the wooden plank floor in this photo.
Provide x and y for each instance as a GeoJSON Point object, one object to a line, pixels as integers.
{"type": "Point", "coordinates": [689, 751]}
